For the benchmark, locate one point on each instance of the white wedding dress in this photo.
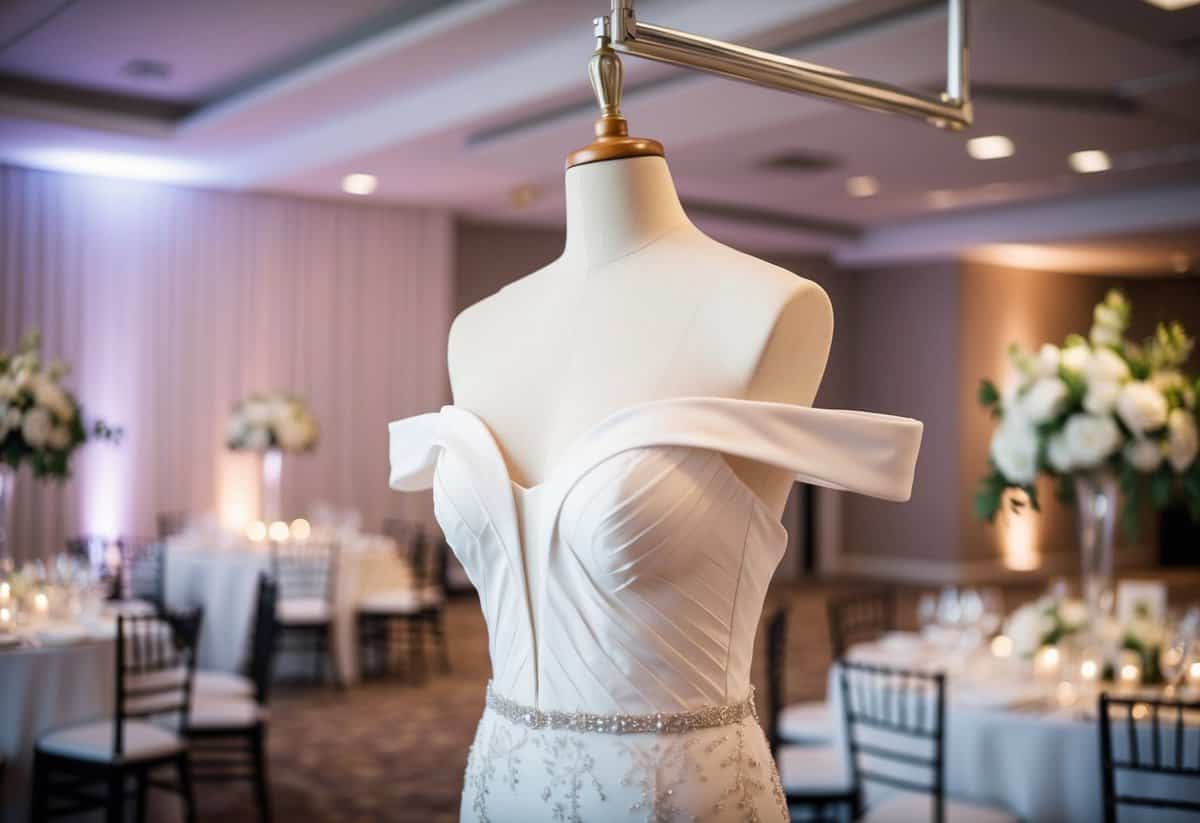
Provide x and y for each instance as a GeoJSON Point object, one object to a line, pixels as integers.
{"type": "Point", "coordinates": [622, 596]}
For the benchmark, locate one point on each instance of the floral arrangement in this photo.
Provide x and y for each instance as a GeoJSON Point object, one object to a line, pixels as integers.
{"type": "Point", "coordinates": [1045, 622]}
{"type": "Point", "coordinates": [41, 423]}
{"type": "Point", "coordinates": [263, 422]}
{"type": "Point", "coordinates": [1051, 620]}
{"type": "Point", "coordinates": [1098, 404]}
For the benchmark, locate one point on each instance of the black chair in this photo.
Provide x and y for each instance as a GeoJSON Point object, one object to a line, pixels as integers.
{"type": "Point", "coordinates": [227, 733]}
{"type": "Point", "coordinates": [143, 571]}
{"type": "Point", "coordinates": [815, 779]}
{"type": "Point", "coordinates": [1150, 737]}
{"type": "Point", "coordinates": [409, 613]}
{"type": "Point", "coordinates": [895, 722]}
{"type": "Point", "coordinates": [170, 523]}
{"type": "Point", "coordinates": [90, 766]}
{"type": "Point", "coordinates": [860, 618]}
{"type": "Point", "coordinates": [306, 573]}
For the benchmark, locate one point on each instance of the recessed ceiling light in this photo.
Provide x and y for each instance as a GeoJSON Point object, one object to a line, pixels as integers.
{"type": "Point", "coordinates": [359, 183]}
{"type": "Point", "coordinates": [147, 69]}
{"type": "Point", "coordinates": [1180, 262]}
{"type": "Point", "coordinates": [863, 185]}
{"type": "Point", "coordinates": [1090, 161]}
{"type": "Point", "coordinates": [1172, 5]}
{"type": "Point", "coordinates": [992, 147]}
{"type": "Point", "coordinates": [524, 195]}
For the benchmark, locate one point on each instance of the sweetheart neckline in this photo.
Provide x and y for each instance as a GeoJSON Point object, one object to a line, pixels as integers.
{"type": "Point", "coordinates": [576, 442]}
{"type": "Point", "coordinates": [564, 458]}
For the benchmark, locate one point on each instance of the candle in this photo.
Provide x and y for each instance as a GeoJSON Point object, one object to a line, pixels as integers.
{"type": "Point", "coordinates": [1047, 660]}
{"type": "Point", "coordinates": [1193, 674]}
{"type": "Point", "coordinates": [6, 618]}
{"type": "Point", "coordinates": [1065, 694]}
{"type": "Point", "coordinates": [279, 531]}
{"type": "Point", "coordinates": [5, 591]}
{"type": "Point", "coordinates": [1002, 646]}
{"type": "Point", "coordinates": [1089, 670]}
{"type": "Point", "coordinates": [301, 529]}
{"type": "Point", "coordinates": [41, 603]}
{"type": "Point", "coordinates": [257, 531]}
{"type": "Point", "coordinates": [1129, 669]}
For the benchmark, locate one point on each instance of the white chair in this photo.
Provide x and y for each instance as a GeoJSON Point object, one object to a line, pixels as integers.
{"type": "Point", "coordinates": [895, 731]}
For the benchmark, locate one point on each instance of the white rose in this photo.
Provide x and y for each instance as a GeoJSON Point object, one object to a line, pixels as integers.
{"type": "Point", "coordinates": [257, 413]}
{"type": "Point", "coordinates": [1058, 454]}
{"type": "Point", "coordinates": [1073, 613]}
{"type": "Point", "coordinates": [1142, 407]}
{"type": "Point", "coordinates": [1106, 364]}
{"type": "Point", "coordinates": [1101, 396]}
{"type": "Point", "coordinates": [1047, 360]}
{"type": "Point", "coordinates": [49, 394]}
{"type": "Point", "coordinates": [1091, 439]}
{"type": "Point", "coordinates": [1143, 454]}
{"type": "Point", "coordinates": [257, 439]}
{"type": "Point", "coordinates": [60, 438]}
{"type": "Point", "coordinates": [1107, 317]}
{"type": "Point", "coordinates": [1076, 358]}
{"type": "Point", "coordinates": [1182, 439]}
{"type": "Point", "coordinates": [1146, 632]}
{"type": "Point", "coordinates": [1105, 336]}
{"type": "Point", "coordinates": [36, 427]}
{"type": "Point", "coordinates": [292, 433]}
{"type": "Point", "coordinates": [1045, 399]}
{"type": "Point", "coordinates": [1014, 451]}
{"type": "Point", "coordinates": [1026, 627]}
{"type": "Point", "coordinates": [1167, 379]}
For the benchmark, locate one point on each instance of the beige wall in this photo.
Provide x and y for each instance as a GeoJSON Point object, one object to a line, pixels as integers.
{"type": "Point", "coordinates": [905, 341]}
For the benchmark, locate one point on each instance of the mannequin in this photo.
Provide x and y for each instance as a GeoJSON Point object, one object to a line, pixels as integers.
{"type": "Point", "coordinates": [640, 306]}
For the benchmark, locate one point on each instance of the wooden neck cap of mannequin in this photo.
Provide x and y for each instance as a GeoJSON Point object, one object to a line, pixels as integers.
{"type": "Point", "coordinates": [613, 142]}
{"type": "Point", "coordinates": [612, 132]}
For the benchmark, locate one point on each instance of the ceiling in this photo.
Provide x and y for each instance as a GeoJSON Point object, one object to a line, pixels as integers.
{"type": "Point", "coordinates": [459, 103]}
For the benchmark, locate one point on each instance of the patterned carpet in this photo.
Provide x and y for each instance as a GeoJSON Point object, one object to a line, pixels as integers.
{"type": "Point", "coordinates": [389, 751]}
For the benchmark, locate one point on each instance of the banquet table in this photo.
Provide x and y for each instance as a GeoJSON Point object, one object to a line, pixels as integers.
{"type": "Point", "coordinates": [1010, 744]}
{"type": "Point", "coordinates": [220, 574]}
{"type": "Point", "coordinates": [46, 686]}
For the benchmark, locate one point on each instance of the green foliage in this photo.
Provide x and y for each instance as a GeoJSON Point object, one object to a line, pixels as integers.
{"type": "Point", "coordinates": [989, 397]}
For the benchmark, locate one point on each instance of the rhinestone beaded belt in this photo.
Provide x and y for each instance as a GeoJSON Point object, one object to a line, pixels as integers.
{"type": "Point", "coordinates": [659, 723]}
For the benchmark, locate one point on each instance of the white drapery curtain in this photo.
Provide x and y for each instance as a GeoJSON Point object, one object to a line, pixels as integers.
{"type": "Point", "coordinates": [172, 304]}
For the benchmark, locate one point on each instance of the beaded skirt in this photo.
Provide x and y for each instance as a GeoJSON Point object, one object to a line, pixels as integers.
{"type": "Point", "coordinates": [712, 764]}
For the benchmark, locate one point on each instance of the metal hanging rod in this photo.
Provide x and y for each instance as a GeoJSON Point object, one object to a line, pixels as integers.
{"type": "Point", "coordinates": [950, 109]}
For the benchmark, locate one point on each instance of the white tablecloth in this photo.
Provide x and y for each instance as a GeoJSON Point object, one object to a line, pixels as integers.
{"type": "Point", "coordinates": [1039, 762]}
{"type": "Point", "coordinates": [222, 577]}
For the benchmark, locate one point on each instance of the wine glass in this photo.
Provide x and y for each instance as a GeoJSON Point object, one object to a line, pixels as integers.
{"type": "Point", "coordinates": [927, 612]}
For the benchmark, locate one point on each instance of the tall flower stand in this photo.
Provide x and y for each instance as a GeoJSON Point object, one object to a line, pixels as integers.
{"type": "Point", "coordinates": [1096, 504]}
{"type": "Point", "coordinates": [272, 477]}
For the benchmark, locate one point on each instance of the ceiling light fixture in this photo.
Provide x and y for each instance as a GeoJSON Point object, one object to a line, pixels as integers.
{"type": "Point", "coordinates": [1172, 5]}
{"type": "Point", "coordinates": [992, 147]}
{"type": "Point", "coordinates": [863, 185]}
{"type": "Point", "coordinates": [940, 198]}
{"type": "Point", "coordinates": [524, 195]}
{"type": "Point", "coordinates": [1180, 262]}
{"type": "Point", "coordinates": [361, 184]}
{"type": "Point", "coordinates": [1090, 161]}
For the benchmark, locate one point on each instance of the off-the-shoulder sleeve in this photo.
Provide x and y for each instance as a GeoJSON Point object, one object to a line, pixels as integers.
{"type": "Point", "coordinates": [872, 454]}
{"type": "Point", "coordinates": [413, 447]}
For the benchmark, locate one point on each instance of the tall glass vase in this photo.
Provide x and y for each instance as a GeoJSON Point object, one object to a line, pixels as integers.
{"type": "Point", "coordinates": [1096, 508]}
{"type": "Point", "coordinates": [272, 476]}
{"type": "Point", "coordinates": [8, 487]}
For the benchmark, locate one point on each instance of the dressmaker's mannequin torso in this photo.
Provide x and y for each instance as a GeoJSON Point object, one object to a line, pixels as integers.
{"type": "Point", "coordinates": [640, 306]}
